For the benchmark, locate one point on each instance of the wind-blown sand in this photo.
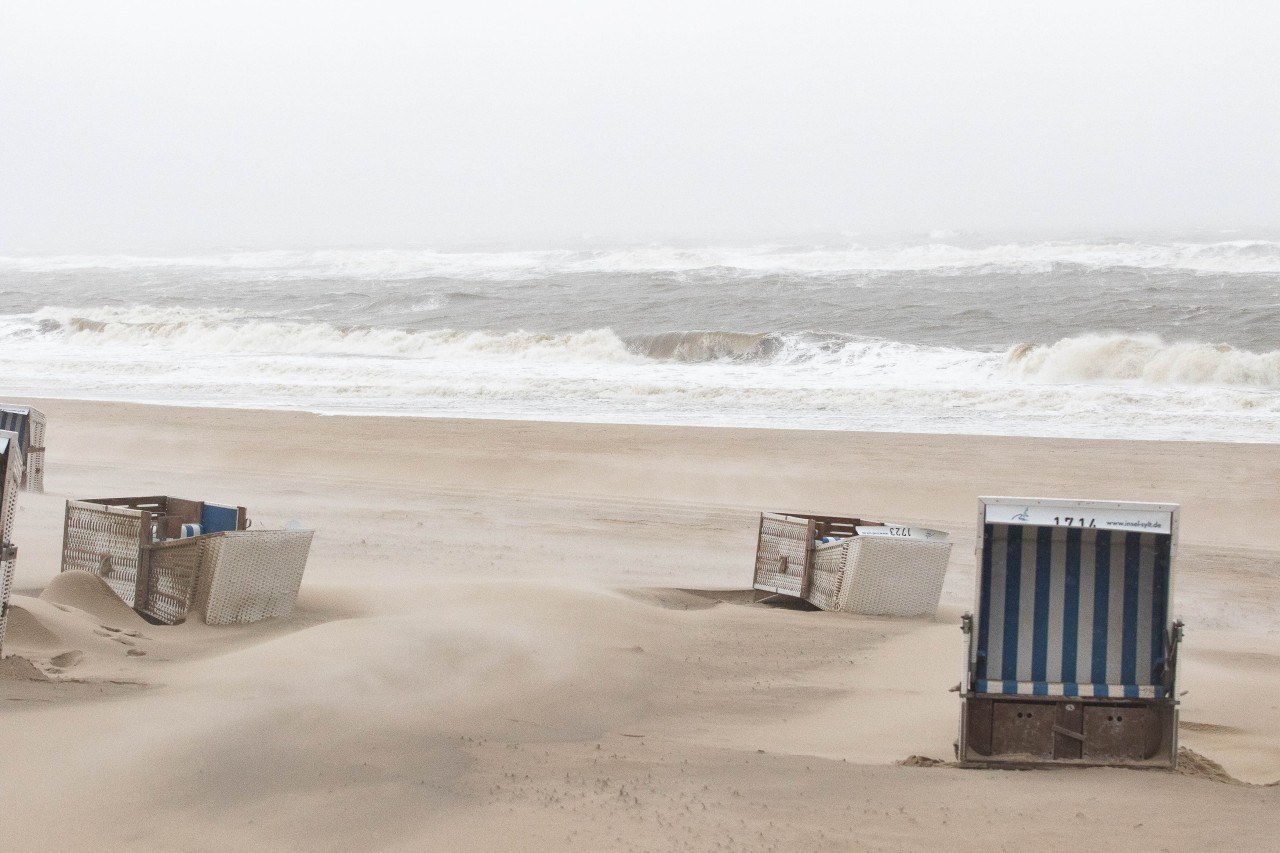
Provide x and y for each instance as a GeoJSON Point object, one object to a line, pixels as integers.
{"type": "Point", "coordinates": [501, 644]}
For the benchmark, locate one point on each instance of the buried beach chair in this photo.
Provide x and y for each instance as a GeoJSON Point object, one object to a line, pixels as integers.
{"type": "Point", "coordinates": [851, 565]}
{"type": "Point", "coordinates": [1072, 654]}
{"type": "Point", "coordinates": [166, 557]}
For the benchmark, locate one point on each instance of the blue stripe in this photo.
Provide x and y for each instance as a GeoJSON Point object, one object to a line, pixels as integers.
{"type": "Point", "coordinates": [1041, 688]}
{"type": "Point", "coordinates": [1129, 630]}
{"type": "Point", "coordinates": [1012, 600]}
{"type": "Point", "coordinates": [14, 422]}
{"type": "Point", "coordinates": [1071, 607]}
{"type": "Point", "coordinates": [1040, 624]}
{"type": "Point", "coordinates": [1159, 607]}
{"type": "Point", "coordinates": [984, 614]}
{"type": "Point", "coordinates": [1101, 600]}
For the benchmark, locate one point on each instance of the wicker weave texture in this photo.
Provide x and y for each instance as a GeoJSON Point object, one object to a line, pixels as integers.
{"type": "Point", "coordinates": [171, 582]}
{"type": "Point", "coordinates": [10, 477]}
{"type": "Point", "coordinates": [249, 575]}
{"type": "Point", "coordinates": [880, 576]}
{"type": "Point", "coordinates": [106, 543]}
{"type": "Point", "coordinates": [828, 574]}
{"type": "Point", "coordinates": [6, 586]}
{"type": "Point", "coordinates": [782, 553]}
{"type": "Point", "coordinates": [33, 476]}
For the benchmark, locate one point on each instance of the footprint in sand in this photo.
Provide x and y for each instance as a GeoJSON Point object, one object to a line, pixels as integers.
{"type": "Point", "coordinates": [128, 633]}
{"type": "Point", "coordinates": [114, 635]}
{"type": "Point", "coordinates": [67, 659]}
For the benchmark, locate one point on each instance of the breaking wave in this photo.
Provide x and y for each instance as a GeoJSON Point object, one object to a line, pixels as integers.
{"type": "Point", "coordinates": [1095, 358]}
{"type": "Point", "coordinates": [704, 346]}
{"type": "Point", "coordinates": [215, 331]}
{"type": "Point", "coordinates": [1145, 358]}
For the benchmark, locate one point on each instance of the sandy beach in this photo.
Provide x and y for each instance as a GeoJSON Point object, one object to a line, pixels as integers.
{"type": "Point", "coordinates": [535, 636]}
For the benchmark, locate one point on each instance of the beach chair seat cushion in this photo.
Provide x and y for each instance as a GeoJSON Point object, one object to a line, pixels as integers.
{"type": "Point", "coordinates": [1083, 691]}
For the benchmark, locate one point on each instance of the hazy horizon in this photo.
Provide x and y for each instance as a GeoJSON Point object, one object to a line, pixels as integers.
{"type": "Point", "coordinates": [155, 127]}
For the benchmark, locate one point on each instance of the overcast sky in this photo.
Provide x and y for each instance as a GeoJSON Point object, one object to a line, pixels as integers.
{"type": "Point", "coordinates": [128, 126]}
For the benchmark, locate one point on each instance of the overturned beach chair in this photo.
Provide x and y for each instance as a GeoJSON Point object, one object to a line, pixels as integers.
{"type": "Point", "coordinates": [1072, 654]}
{"type": "Point", "coordinates": [29, 424]}
{"type": "Point", "coordinates": [10, 482]}
{"type": "Point", "coordinates": [850, 564]}
{"type": "Point", "coordinates": [167, 557]}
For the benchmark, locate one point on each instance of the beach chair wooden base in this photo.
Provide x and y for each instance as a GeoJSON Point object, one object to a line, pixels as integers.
{"type": "Point", "coordinates": [1021, 731]}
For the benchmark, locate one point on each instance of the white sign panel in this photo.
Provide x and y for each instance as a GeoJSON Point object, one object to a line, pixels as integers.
{"type": "Point", "coordinates": [1101, 518]}
{"type": "Point", "coordinates": [902, 532]}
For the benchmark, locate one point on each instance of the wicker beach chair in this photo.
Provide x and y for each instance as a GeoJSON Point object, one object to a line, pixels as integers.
{"type": "Point", "coordinates": [10, 481]}
{"type": "Point", "coordinates": [29, 424]}
{"type": "Point", "coordinates": [1072, 652]}
{"type": "Point", "coordinates": [839, 563]}
{"type": "Point", "coordinates": [169, 557]}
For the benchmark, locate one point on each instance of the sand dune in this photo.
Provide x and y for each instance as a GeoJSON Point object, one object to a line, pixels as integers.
{"type": "Point", "coordinates": [518, 636]}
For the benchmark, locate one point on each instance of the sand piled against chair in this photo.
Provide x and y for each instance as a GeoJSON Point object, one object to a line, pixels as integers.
{"type": "Point", "coordinates": [460, 672]}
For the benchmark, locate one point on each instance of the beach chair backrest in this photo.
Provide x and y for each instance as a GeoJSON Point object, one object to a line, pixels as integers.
{"type": "Point", "coordinates": [16, 419]}
{"type": "Point", "coordinates": [29, 424]}
{"type": "Point", "coordinates": [1076, 607]}
{"type": "Point", "coordinates": [10, 480]}
{"type": "Point", "coordinates": [1073, 607]}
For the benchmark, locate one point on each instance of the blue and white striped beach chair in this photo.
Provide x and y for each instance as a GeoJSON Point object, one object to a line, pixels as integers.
{"type": "Point", "coordinates": [1072, 651]}
{"type": "Point", "coordinates": [29, 425]}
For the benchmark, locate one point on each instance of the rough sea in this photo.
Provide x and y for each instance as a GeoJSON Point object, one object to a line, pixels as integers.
{"type": "Point", "coordinates": [1153, 338]}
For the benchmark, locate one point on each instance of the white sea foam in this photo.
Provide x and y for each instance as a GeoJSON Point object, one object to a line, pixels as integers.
{"type": "Point", "coordinates": [1141, 359]}
{"type": "Point", "coordinates": [217, 331]}
{"type": "Point", "coordinates": [1083, 385]}
{"type": "Point", "coordinates": [914, 336]}
{"type": "Point", "coordinates": [1232, 256]}
{"type": "Point", "coordinates": [1146, 359]}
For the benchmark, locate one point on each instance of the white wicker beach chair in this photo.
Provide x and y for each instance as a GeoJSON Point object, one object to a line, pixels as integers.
{"type": "Point", "coordinates": [145, 551]}
{"type": "Point", "coordinates": [10, 480]}
{"type": "Point", "coordinates": [827, 562]}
